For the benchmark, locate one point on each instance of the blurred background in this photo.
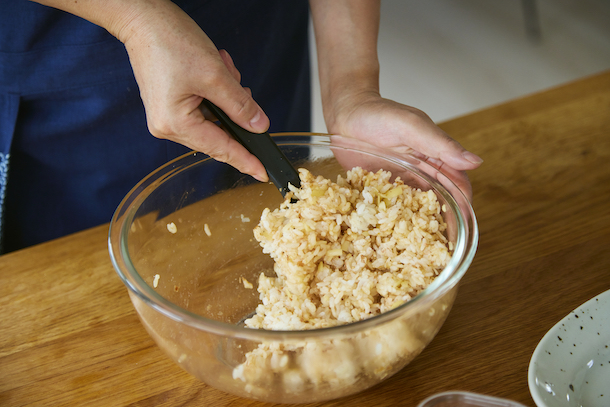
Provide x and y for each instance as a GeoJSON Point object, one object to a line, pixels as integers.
{"type": "Point", "coordinates": [452, 57]}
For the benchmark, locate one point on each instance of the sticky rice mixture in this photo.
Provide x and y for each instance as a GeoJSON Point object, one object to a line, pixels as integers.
{"type": "Point", "coordinates": [347, 251]}
{"type": "Point", "coordinates": [344, 251]}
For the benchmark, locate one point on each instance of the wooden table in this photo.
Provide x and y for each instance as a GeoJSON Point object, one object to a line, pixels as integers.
{"type": "Point", "coordinates": [69, 335]}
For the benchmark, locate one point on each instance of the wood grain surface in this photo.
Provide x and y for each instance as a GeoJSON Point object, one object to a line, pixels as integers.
{"type": "Point", "coordinates": [70, 337]}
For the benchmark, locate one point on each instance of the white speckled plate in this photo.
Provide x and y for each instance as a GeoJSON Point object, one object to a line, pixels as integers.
{"type": "Point", "coordinates": [571, 365]}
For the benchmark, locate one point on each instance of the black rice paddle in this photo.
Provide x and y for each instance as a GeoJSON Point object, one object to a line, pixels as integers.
{"type": "Point", "coordinates": [262, 146]}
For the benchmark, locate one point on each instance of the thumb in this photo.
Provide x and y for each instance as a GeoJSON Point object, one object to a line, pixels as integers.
{"type": "Point", "coordinates": [236, 101]}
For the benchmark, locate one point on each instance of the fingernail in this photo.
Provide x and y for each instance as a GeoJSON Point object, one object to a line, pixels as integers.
{"type": "Point", "coordinates": [473, 158]}
{"type": "Point", "coordinates": [257, 122]}
{"type": "Point", "coordinates": [261, 178]}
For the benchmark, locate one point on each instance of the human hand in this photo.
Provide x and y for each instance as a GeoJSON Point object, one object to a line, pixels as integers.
{"type": "Point", "coordinates": [404, 130]}
{"type": "Point", "coordinates": [176, 66]}
{"type": "Point", "coordinates": [346, 35]}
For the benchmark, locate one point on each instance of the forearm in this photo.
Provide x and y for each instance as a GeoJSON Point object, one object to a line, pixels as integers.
{"type": "Point", "coordinates": [346, 39]}
{"type": "Point", "coordinates": [120, 18]}
{"type": "Point", "coordinates": [153, 32]}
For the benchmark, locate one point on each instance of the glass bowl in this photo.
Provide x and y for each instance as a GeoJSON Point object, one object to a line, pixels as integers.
{"type": "Point", "coordinates": [182, 243]}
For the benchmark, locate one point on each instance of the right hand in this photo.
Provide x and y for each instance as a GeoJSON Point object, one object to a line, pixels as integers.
{"type": "Point", "coordinates": [176, 65]}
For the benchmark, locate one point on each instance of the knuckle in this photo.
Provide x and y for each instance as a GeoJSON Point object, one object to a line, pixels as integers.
{"type": "Point", "coordinates": [219, 152]}
{"type": "Point", "coordinates": [161, 126]}
{"type": "Point", "coordinates": [214, 76]}
{"type": "Point", "coordinates": [244, 106]}
{"type": "Point", "coordinates": [159, 129]}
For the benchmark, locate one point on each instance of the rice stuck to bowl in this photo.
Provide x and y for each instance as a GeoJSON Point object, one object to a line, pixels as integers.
{"type": "Point", "coordinates": [344, 251]}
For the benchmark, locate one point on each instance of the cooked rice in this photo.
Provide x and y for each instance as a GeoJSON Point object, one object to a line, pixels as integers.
{"type": "Point", "coordinates": [343, 252]}
{"type": "Point", "coordinates": [347, 251]}
{"type": "Point", "coordinates": [172, 228]}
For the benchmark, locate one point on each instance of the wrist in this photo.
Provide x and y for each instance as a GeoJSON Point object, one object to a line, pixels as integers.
{"type": "Point", "coordinates": [347, 93]}
{"type": "Point", "coordinates": [120, 18]}
{"type": "Point", "coordinates": [135, 19]}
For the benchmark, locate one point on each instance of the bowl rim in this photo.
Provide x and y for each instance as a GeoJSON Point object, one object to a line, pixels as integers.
{"type": "Point", "coordinates": [466, 244]}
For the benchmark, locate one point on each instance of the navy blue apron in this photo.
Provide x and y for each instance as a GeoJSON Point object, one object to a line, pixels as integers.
{"type": "Point", "coordinates": [73, 135]}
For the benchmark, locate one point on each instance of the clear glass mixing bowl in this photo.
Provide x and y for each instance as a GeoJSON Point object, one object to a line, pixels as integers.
{"type": "Point", "coordinates": [182, 243]}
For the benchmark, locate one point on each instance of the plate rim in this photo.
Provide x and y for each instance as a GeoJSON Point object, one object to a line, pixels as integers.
{"type": "Point", "coordinates": [531, 380]}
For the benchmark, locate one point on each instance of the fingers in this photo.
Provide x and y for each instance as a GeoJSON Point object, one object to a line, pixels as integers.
{"type": "Point", "coordinates": [197, 132]}
{"type": "Point", "coordinates": [234, 100]}
{"type": "Point", "coordinates": [242, 109]}
{"type": "Point", "coordinates": [445, 154]}
{"type": "Point", "coordinates": [203, 135]}
{"type": "Point", "coordinates": [228, 61]}
{"type": "Point", "coordinates": [406, 130]}
{"type": "Point", "coordinates": [394, 125]}
{"type": "Point", "coordinates": [429, 139]}
{"type": "Point", "coordinates": [451, 152]}
{"type": "Point", "coordinates": [448, 176]}
{"type": "Point", "coordinates": [217, 144]}
{"type": "Point", "coordinates": [176, 65]}
{"type": "Point", "coordinates": [172, 90]}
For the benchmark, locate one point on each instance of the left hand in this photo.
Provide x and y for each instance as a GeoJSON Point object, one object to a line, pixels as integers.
{"type": "Point", "coordinates": [346, 39]}
{"type": "Point", "coordinates": [404, 130]}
